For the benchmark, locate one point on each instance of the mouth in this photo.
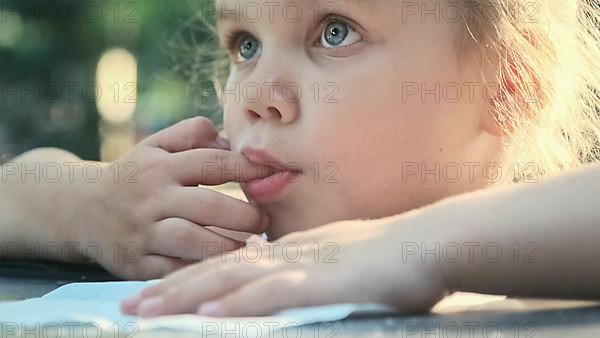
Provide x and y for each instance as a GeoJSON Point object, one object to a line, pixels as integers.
{"type": "Point", "coordinates": [275, 186]}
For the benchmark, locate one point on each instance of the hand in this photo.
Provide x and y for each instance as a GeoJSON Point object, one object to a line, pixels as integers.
{"type": "Point", "coordinates": [153, 221]}
{"type": "Point", "coordinates": [357, 261]}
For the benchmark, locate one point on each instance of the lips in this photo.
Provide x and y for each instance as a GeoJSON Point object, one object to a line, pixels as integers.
{"type": "Point", "coordinates": [275, 186]}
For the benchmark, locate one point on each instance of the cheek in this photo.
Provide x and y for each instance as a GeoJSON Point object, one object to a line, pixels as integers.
{"type": "Point", "coordinates": [370, 138]}
{"type": "Point", "coordinates": [232, 113]}
{"type": "Point", "coordinates": [232, 122]}
{"type": "Point", "coordinates": [362, 143]}
{"type": "Point", "coordinates": [376, 126]}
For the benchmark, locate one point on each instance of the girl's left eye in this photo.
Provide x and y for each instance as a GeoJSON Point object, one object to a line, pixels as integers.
{"type": "Point", "coordinates": [337, 33]}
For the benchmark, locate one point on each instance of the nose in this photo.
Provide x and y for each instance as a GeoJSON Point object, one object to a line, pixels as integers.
{"type": "Point", "coordinates": [273, 101]}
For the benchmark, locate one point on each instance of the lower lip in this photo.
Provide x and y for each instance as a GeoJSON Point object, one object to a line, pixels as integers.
{"type": "Point", "coordinates": [270, 188]}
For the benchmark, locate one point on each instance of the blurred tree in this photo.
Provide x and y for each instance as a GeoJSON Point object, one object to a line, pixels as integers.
{"type": "Point", "coordinates": [49, 53]}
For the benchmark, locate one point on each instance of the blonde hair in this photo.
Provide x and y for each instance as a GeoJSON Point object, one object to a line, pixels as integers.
{"type": "Point", "coordinates": [552, 46]}
{"type": "Point", "coordinates": [548, 51]}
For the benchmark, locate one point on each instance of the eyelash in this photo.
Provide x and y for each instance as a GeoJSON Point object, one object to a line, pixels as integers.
{"type": "Point", "coordinates": [331, 18]}
{"type": "Point", "coordinates": [232, 39]}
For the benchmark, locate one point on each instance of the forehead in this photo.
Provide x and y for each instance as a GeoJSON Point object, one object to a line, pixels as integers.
{"type": "Point", "coordinates": [299, 2]}
{"type": "Point", "coordinates": [233, 9]}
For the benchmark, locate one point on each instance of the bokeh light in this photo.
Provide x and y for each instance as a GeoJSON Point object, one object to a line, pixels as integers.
{"type": "Point", "coordinates": [11, 28]}
{"type": "Point", "coordinates": [116, 78]}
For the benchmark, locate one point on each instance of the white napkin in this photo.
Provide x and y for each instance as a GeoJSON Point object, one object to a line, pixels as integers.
{"type": "Point", "coordinates": [95, 306]}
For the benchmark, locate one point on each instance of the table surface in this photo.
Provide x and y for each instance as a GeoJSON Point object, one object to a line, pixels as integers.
{"type": "Point", "coordinates": [514, 318]}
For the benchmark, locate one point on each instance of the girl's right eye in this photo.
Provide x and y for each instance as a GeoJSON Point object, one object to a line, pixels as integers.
{"type": "Point", "coordinates": [242, 46]}
{"type": "Point", "coordinates": [336, 33]}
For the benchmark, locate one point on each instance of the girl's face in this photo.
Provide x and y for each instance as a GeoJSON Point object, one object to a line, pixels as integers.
{"type": "Point", "coordinates": [375, 108]}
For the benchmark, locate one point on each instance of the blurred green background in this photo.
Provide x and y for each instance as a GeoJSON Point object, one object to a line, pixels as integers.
{"type": "Point", "coordinates": [94, 77]}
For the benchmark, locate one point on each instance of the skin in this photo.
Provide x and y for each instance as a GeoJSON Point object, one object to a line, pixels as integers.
{"type": "Point", "coordinates": [158, 222]}
{"type": "Point", "coordinates": [370, 134]}
{"type": "Point", "coordinates": [545, 220]}
{"type": "Point", "coordinates": [362, 144]}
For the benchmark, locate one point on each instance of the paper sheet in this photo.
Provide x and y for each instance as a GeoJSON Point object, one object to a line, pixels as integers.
{"type": "Point", "coordinates": [95, 306]}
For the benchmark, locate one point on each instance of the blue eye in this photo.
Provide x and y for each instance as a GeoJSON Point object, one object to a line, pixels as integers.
{"type": "Point", "coordinates": [248, 47]}
{"type": "Point", "coordinates": [242, 46]}
{"type": "Point", "coordinates": [337, 33]}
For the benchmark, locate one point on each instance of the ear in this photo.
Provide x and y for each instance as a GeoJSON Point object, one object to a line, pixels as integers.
{"type": "Point", "coordinates": [517, 93]}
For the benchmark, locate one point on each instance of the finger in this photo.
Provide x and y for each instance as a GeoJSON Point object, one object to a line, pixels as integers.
{"type": "Point", "coordinates": [130, 305]}
{"type": "Point", "coordinates": [266, 296]}
{"type": "Point", "coordinates": [236, 235]}
{"type": "Point", "coordinates": [186, 273]}
{"type": "Point", "coordinates": [155, 266]}
{"type": "Point", "coordinates": [213, 266]}
{"type": "Point", "coordinates": [191, 271]}
{"type": "Point", "coordinates": [213, 167]}
{"type": "Point", "coordinates": [150, 267]}
{"type": "Point", "coordinates": [176, 237]}
{"type": "Point", "coordinates": [223, 143]}
{"type": "Point", "coordinates": [188, 294]}
{"type": "Point", "coordinates": [175, 278]}
{"type": "Point", "coordinates": [192, 133]}
{"type": "Point", "coordinates": [212, 208]}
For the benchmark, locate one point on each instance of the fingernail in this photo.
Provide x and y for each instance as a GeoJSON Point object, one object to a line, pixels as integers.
{"type": "Point", "coordinates": [212, 309]}
{"type": "Point", "coordinates": [223, 142]}
{"type": "Point", "coordinates": [151, 307]}
{"type": "Point", "coordinates": [254, 239]}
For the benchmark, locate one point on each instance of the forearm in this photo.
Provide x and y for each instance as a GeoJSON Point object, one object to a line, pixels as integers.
{"type": "Point", "coordinates": [548, 234]}
{"type": "Point", "coordinates": [40, 207]}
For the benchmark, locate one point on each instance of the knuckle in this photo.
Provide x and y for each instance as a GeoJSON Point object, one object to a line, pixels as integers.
{"type": "Point", "coordinates": [202, 125]}
{"type": "Point", "coordinates": [276, 285]}
{"type": "Point", "coordinates": [173, 295]}
{"type": "Point", "coordinates": [183, 236]}
{"type": "Point", "coordinates": [281, 284]}
{"type": "Point", "coordinates": [152, 165]}
{"type": "Point", "coordinates": [218, 156]}
{"type": "Point", "coordinates": [151, 291]}
{"type": "Point", "coordinates": [226, 278]}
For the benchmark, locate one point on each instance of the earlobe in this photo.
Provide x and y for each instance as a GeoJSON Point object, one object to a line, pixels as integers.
{"type": "Point", "coordinates": [494, 121]}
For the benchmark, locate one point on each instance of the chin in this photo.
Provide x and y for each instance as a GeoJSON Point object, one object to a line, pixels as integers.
{"type": "Point", "coordinates": [279, 229]}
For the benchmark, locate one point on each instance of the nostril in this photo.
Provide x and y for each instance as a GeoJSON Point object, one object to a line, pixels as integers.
{"type": "Point", "coordinates": [274, 112]}
{"type": "Point", "coordinates": [253, 115]}
{"type": "Point", "coordinates": [269, 113]}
